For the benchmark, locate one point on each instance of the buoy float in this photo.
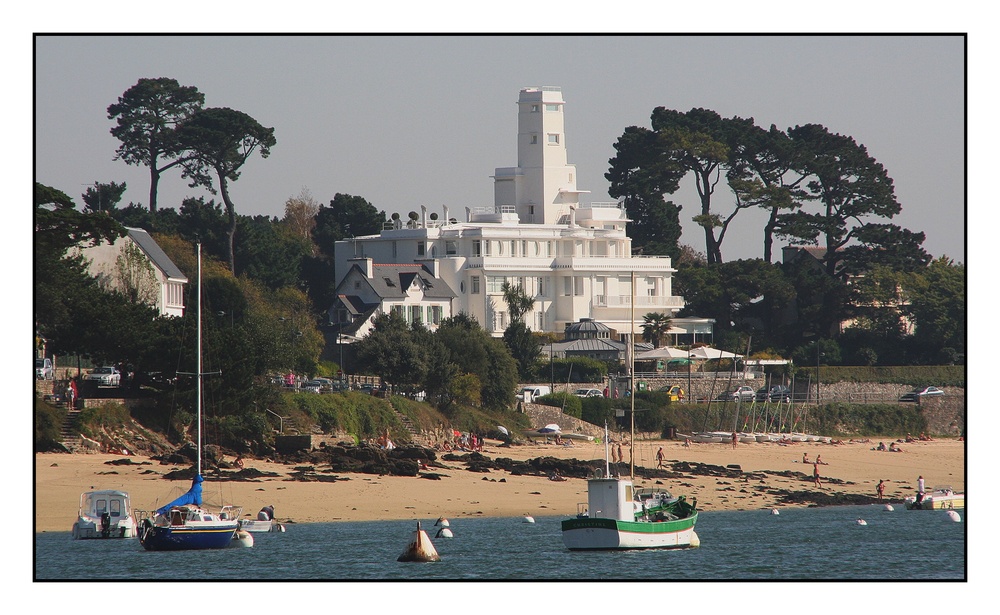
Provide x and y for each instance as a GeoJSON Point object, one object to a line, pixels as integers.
{"type": "Point", "coordinates": [889, 507]}
{"type": "Point", "coordinates": [420, 549]}
{"type": "Point", "coordinates": [774, 511]}
{"type": "Point", "coordinates": [241, 538]}
{"type": "Point", "coordinates": [442, 522]}
{"type": "Point", "coordinates": [444, 533]}
{"type": "Point", "coordinates": [862, 522]}
{"type": "Point", "coordinates": [529, 519]}
{"type": "Point", "coordinates": [954, 516]}
{"type": "Point", "coordinates": [695, 541]}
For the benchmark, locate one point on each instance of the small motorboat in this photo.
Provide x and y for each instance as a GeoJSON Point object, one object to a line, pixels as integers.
{"type": "Point", "coordinates": [104, 514]}
{"type": "Point", "coordinates": [938, 498]}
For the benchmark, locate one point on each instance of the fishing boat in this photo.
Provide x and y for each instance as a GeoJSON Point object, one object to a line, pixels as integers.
{"type": "Point", "coordinates": [938, 498]}
{"type": "Point", "coordinates": [104, 514]}
{"type": "Point", "coordinates": [619, 516]}
{"type": "Point", "coordinates": [184, 524]}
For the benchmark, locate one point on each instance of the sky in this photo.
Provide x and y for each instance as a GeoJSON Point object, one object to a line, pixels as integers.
{"type": "Point", "coordinates": [405, 121]}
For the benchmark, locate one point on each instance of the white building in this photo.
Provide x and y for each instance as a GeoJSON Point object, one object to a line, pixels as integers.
{"type": "Point", "coordinates": [136, 265]}
{"type": "Point", "coordinates": [574, 258]}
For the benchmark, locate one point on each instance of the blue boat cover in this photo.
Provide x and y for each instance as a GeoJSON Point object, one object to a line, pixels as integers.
{"type": "Point", "coordinates": [193, 496]}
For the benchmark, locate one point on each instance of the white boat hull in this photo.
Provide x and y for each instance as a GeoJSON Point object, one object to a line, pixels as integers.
{"type": "Point", "coordinates": [257, 525]}
{"type": "Point", "coordinates": [610, 534]}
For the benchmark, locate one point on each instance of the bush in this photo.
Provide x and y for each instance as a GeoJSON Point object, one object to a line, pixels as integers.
{"type": "Point", "coordinates": [109, 417]}
{"type": "Point", "coordinates": [597, 410]}
{"type": "Point", "coordinates": [48, 426]}
{"type": "Point", "coordinates": [570, 404]}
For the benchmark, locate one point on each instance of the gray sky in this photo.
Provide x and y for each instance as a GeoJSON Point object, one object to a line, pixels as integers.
{"type": "Point", "coordinates": [404, 121]}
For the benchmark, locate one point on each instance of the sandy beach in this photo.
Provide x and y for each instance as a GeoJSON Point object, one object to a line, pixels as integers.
{"type": "Point", "coordinates": [849, 468]}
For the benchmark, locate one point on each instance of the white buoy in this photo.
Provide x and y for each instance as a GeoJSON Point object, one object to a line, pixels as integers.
{"type": "Point", "coordinates": [774, 511]}
{"type": "Point", "coordinates": [442, 522]}
{"type": "Point", "coordinates": [420, 549]}
{"type": "Point", "coordinates": [862, 522]}
{"type": "Point", "coordinates": [529, 519]}
{"type": "Point", "coordinates": [954, 516]}
{"type": "Point", "coordinates": [889, 507]}
{"type": "Point", "coordinates": [241, 538]}
{"type": "Point", "coordinates": [695, 541]}
{"type": "Point", "coordinates": [444, 533]}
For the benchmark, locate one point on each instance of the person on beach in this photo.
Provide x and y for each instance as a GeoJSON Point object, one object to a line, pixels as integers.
{"type": "Point", "coordinates": [920, 489]}
{"type": "Point", "coordinates": [687, 442]}
{"type": "Point", "coordinates": [736, 439]}
{"type": "Point", "coordinates": [239, 462]}
{"type": "Point", "coordinates": [816, 480]}
{"type": "Point", "coordinates": [619, 452]}
{"type": "Point", "coordinates": [880, 489]}
{"type": "Point", "coordinates": [819, 460]}
{"type": "Point", "coordinates": [659, 458]}
{"type": "Point", "coordinates": [805, 458]}
{"type": "Point", "coordinates": [266, 513]}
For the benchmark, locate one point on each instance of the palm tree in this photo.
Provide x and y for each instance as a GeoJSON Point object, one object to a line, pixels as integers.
{"type": "Point", "coordinates": [655, 326]}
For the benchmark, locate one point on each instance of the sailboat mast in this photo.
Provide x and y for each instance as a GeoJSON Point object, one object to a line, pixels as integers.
{"type": "Point", "coordinates": [198, 364]}
{"type": "Point", "coordinates": [631, 373]}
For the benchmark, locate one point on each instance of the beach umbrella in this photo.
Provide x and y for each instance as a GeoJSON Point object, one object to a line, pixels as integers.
{"type": "Point", "coordinates": [503, 430]}
{"type": "Point", "coordinates": [550, 428]}
{"type": "Point", "coordinates": [706, 352]}
{"type": "Point", "coordinates": [663, 352]}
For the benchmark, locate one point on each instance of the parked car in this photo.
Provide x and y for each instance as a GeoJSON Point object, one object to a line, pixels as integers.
{"type": "Point", "coordinates": [43, 369]}
{"type": "Point", "coordinates": [777, 392]}
{"type": "Point", "coordinates": [920, 392]}
{"type": "Point", "coordinates": [743, 393]}
{"type": "Point", "coordinates": [674, 392]}
{"type": "Point", "coordinates": [588, 393]}
{"type": "Point", "coordinates": [105, 376]}
{"type": "Point", "coordinates": [311, 386]}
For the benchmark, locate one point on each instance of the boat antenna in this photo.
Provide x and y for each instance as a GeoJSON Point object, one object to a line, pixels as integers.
{"type": "Point", "coordinates": [631, 373]}
{"type": "Point", "coordinates": [198, 370]}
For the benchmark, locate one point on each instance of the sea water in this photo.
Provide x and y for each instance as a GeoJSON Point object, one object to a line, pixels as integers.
{"type": "Point", "coordinates": [818, 544]}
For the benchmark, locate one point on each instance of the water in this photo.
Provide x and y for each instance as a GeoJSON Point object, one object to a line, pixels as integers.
{"type": "Point", "coordinates": [799, 544]}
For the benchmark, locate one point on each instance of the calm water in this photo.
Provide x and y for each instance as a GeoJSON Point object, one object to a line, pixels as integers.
{"type": "Point", "coordinates": [809, 544]}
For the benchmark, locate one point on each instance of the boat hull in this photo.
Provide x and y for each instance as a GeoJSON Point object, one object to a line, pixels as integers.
{"type": "Point", "coordinates": [590, 534]}
{"type": "Point", "coordinates": [86, 528]}
{"type": "Point", "coordinates": [189, 537]}
{"type": "Point", "coordinates": [257, 525]}
{"type": "Point", "coordinates": [936, 503]}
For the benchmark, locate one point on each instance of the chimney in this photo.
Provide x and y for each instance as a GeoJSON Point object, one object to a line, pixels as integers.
{"type": "Point", "coordinates": [365, 262]}
{"type": "Point", "coordinates": [445, 208]}
{"type": "Point", "coordinates": [423, 216]}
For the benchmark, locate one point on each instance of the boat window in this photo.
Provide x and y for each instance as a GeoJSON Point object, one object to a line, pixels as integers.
{"type": "Point", "coordinates": [116, 508]}
{"type": "Point", "coordinates": [102, 506]}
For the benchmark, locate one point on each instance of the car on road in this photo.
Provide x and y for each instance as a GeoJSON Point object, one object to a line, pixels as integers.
{"type": "Point", "coordinates": [674, 392]}
{"type": "Point", "coordinates": [743, 393]}
{"type": "Point", "coordinates": [43, 369]}
{"type": "Point", "coordinates": [311, 386]}
{"type": "Point", "coordinates": [106, 376]}
{"type": "Point", "coordinates": [920, 392]}
{"type": "Point", "coordinates": [777, 392]}
{"type": "Point", "coordinates": [588, 393]}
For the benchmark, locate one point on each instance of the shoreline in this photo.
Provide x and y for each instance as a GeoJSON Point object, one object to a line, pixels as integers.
{"type": "Point", "coordinates": [849, 468]}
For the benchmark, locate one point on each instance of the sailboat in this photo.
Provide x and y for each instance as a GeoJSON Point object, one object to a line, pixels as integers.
{"type": "Point", "coordinates": [184, 524]}
{"type": "Point", "coordinates": [619, 516]}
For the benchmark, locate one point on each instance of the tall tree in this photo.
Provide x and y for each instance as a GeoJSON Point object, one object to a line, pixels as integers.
{"type": "Point", "coordinates": [855, 195]}
{"type": "Point", "coordinates": [103, 197]}
{"type": "Point", "coordinates": [219, 141]}
{"type": "Point", "coordinates": [300, 216]}
{"type": "Point", "coordinates": [346, 216]}
{"type": "Point", "coordinates": [938, 309]}
{"type": "Point", "coordinates": [147, 116]}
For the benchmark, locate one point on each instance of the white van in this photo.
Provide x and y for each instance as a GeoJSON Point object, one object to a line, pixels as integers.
{"type": "Point", "coordinates": [533, 391]}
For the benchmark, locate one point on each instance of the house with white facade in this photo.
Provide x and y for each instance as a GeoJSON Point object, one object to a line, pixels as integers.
{"type": "Point", "coordinates": [136, 265]}
{"type": "Point", "coordinates": [572, 257]}
{"type": "Point", "coordinates": [412, 291]}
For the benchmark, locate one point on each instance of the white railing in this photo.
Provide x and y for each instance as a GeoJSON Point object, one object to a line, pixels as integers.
{"type": "Point", "coordinates": [626, 301]}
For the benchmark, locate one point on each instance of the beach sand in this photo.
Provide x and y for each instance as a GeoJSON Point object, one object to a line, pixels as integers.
{"type": "Point", "coordinates": [850, 468]}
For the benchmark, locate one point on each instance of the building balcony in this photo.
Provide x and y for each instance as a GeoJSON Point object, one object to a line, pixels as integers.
{"type": "Point", "coordinates": [624, 301]}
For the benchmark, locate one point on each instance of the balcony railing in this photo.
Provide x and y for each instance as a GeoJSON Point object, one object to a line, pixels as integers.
{"type": "Point", "coordinates": [613, 301]}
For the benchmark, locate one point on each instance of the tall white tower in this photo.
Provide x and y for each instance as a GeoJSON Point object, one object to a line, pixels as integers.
{"type": "Point", "coordinates": [542, 187]}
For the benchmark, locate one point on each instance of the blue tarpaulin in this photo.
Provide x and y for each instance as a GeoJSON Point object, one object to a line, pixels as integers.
{"type": "Point", "coordinates": [193, 496]}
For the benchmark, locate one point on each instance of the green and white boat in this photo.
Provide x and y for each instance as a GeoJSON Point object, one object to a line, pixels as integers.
{"type": "Point", "coordinates": [619, 516]}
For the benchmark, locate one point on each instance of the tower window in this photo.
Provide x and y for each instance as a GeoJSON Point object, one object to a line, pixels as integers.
{"type": "Point", "coordinates": [553, 139]}
{"type": "Point", "coordinates": [534, 139]}
{"type": "Point", "coordinates": [534, 108]}
{"type": "Point", "coordinates": [551, 107]}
